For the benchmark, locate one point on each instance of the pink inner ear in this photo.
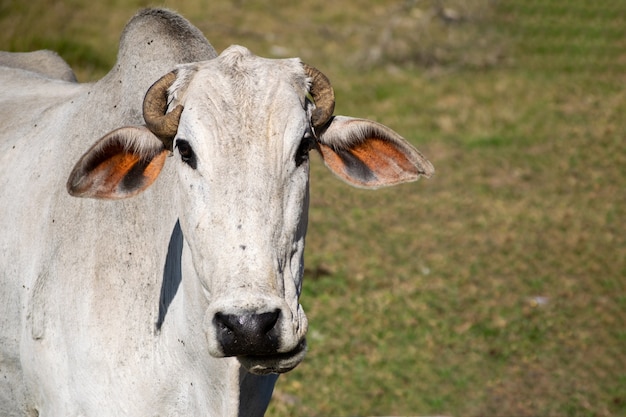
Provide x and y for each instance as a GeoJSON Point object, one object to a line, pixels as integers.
{"type": "Point", "coordinates": [152, 171]}
{"type": "Point", "coordinates": [384, 159]}
{"type": "Point", "coordinates": [116, 167]}
{"type": "Point", "coordinates": [107, 178]}
{"type": "Point", "coordinates": [332, 160]}
{"type": "Point", "coordinates": [372, 163]}
{"type": "Point", "coordinates": [119, 165]}
{"type": "Point", "coordinates": [103, 180]}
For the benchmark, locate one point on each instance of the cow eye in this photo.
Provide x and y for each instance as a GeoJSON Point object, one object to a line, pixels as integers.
{"type": "Point", "coordinates": [306, 144]}
{"type": "Point", "coordinates": [186, 153]}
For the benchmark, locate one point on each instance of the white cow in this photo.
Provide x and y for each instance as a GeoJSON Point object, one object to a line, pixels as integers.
{"type": "Point", "coordinates": [182, 300]}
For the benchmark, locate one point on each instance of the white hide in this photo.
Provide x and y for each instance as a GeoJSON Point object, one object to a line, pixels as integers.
{"type": "Point", "coordinates": [114, 308]}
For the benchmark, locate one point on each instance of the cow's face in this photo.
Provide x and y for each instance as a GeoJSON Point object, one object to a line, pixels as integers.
{"type": "Point", "coordinates": [241, 154]}
{"type": "Point", "coordinates": [240, 128]}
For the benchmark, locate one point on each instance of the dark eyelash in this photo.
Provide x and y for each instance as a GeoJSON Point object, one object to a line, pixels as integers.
{"type": "Point", "coordinates": [306, 144]}
{"type": "Point", "coordinates": [187, 154]}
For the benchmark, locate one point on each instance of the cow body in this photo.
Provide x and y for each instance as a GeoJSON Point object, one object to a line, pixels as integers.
{"type": "Point", "coordinates": [182, 300]}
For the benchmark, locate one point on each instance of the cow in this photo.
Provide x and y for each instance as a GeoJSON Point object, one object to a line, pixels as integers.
{"type": "Point", "coordinates": [153, 224]}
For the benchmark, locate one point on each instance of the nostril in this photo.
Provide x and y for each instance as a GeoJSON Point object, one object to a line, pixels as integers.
{"type": "Point", "coordinates": [225, 322]}
{"type": "Point", "coordinates": [267, 321]}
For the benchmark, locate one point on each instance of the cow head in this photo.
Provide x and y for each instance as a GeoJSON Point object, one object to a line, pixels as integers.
{"type": "Point", "coordinates": [241, 128]}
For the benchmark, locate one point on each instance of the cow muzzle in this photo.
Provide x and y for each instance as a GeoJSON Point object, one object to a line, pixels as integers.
{"type": "Point", "coordinates": [248, 334]}
{"type": "Point", "coordinates": [264, 341]}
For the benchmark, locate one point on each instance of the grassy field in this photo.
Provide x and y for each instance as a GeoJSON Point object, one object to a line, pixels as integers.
{"type": "Point", "coordinates": [496, 288]}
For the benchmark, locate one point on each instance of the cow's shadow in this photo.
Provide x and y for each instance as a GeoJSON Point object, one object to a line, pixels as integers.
{"type": "Point", "coordinates": [172, 273]}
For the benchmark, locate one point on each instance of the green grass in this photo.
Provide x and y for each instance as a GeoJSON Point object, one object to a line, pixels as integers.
{"type": "Point", "coordinates": [497, 288]}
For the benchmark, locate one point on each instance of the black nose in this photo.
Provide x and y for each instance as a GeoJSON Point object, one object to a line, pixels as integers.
{"type": "Point", "coordinates": [248, 334]}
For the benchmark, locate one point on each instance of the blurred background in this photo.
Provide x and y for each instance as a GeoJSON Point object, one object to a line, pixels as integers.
{"type": "Point", "coordinates": [497, 287]}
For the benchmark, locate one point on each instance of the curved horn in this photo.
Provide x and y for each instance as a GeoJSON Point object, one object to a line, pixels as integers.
{"type": "Point", "coordinates": [163, 125]}
{"type": "Point", "coordinates": [323, 94]}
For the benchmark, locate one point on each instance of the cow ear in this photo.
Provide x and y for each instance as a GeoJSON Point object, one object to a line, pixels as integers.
{"type": "Point", "coordinates": [367, 154]}
{"type": "Point", "coordinates": [119, 165]}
